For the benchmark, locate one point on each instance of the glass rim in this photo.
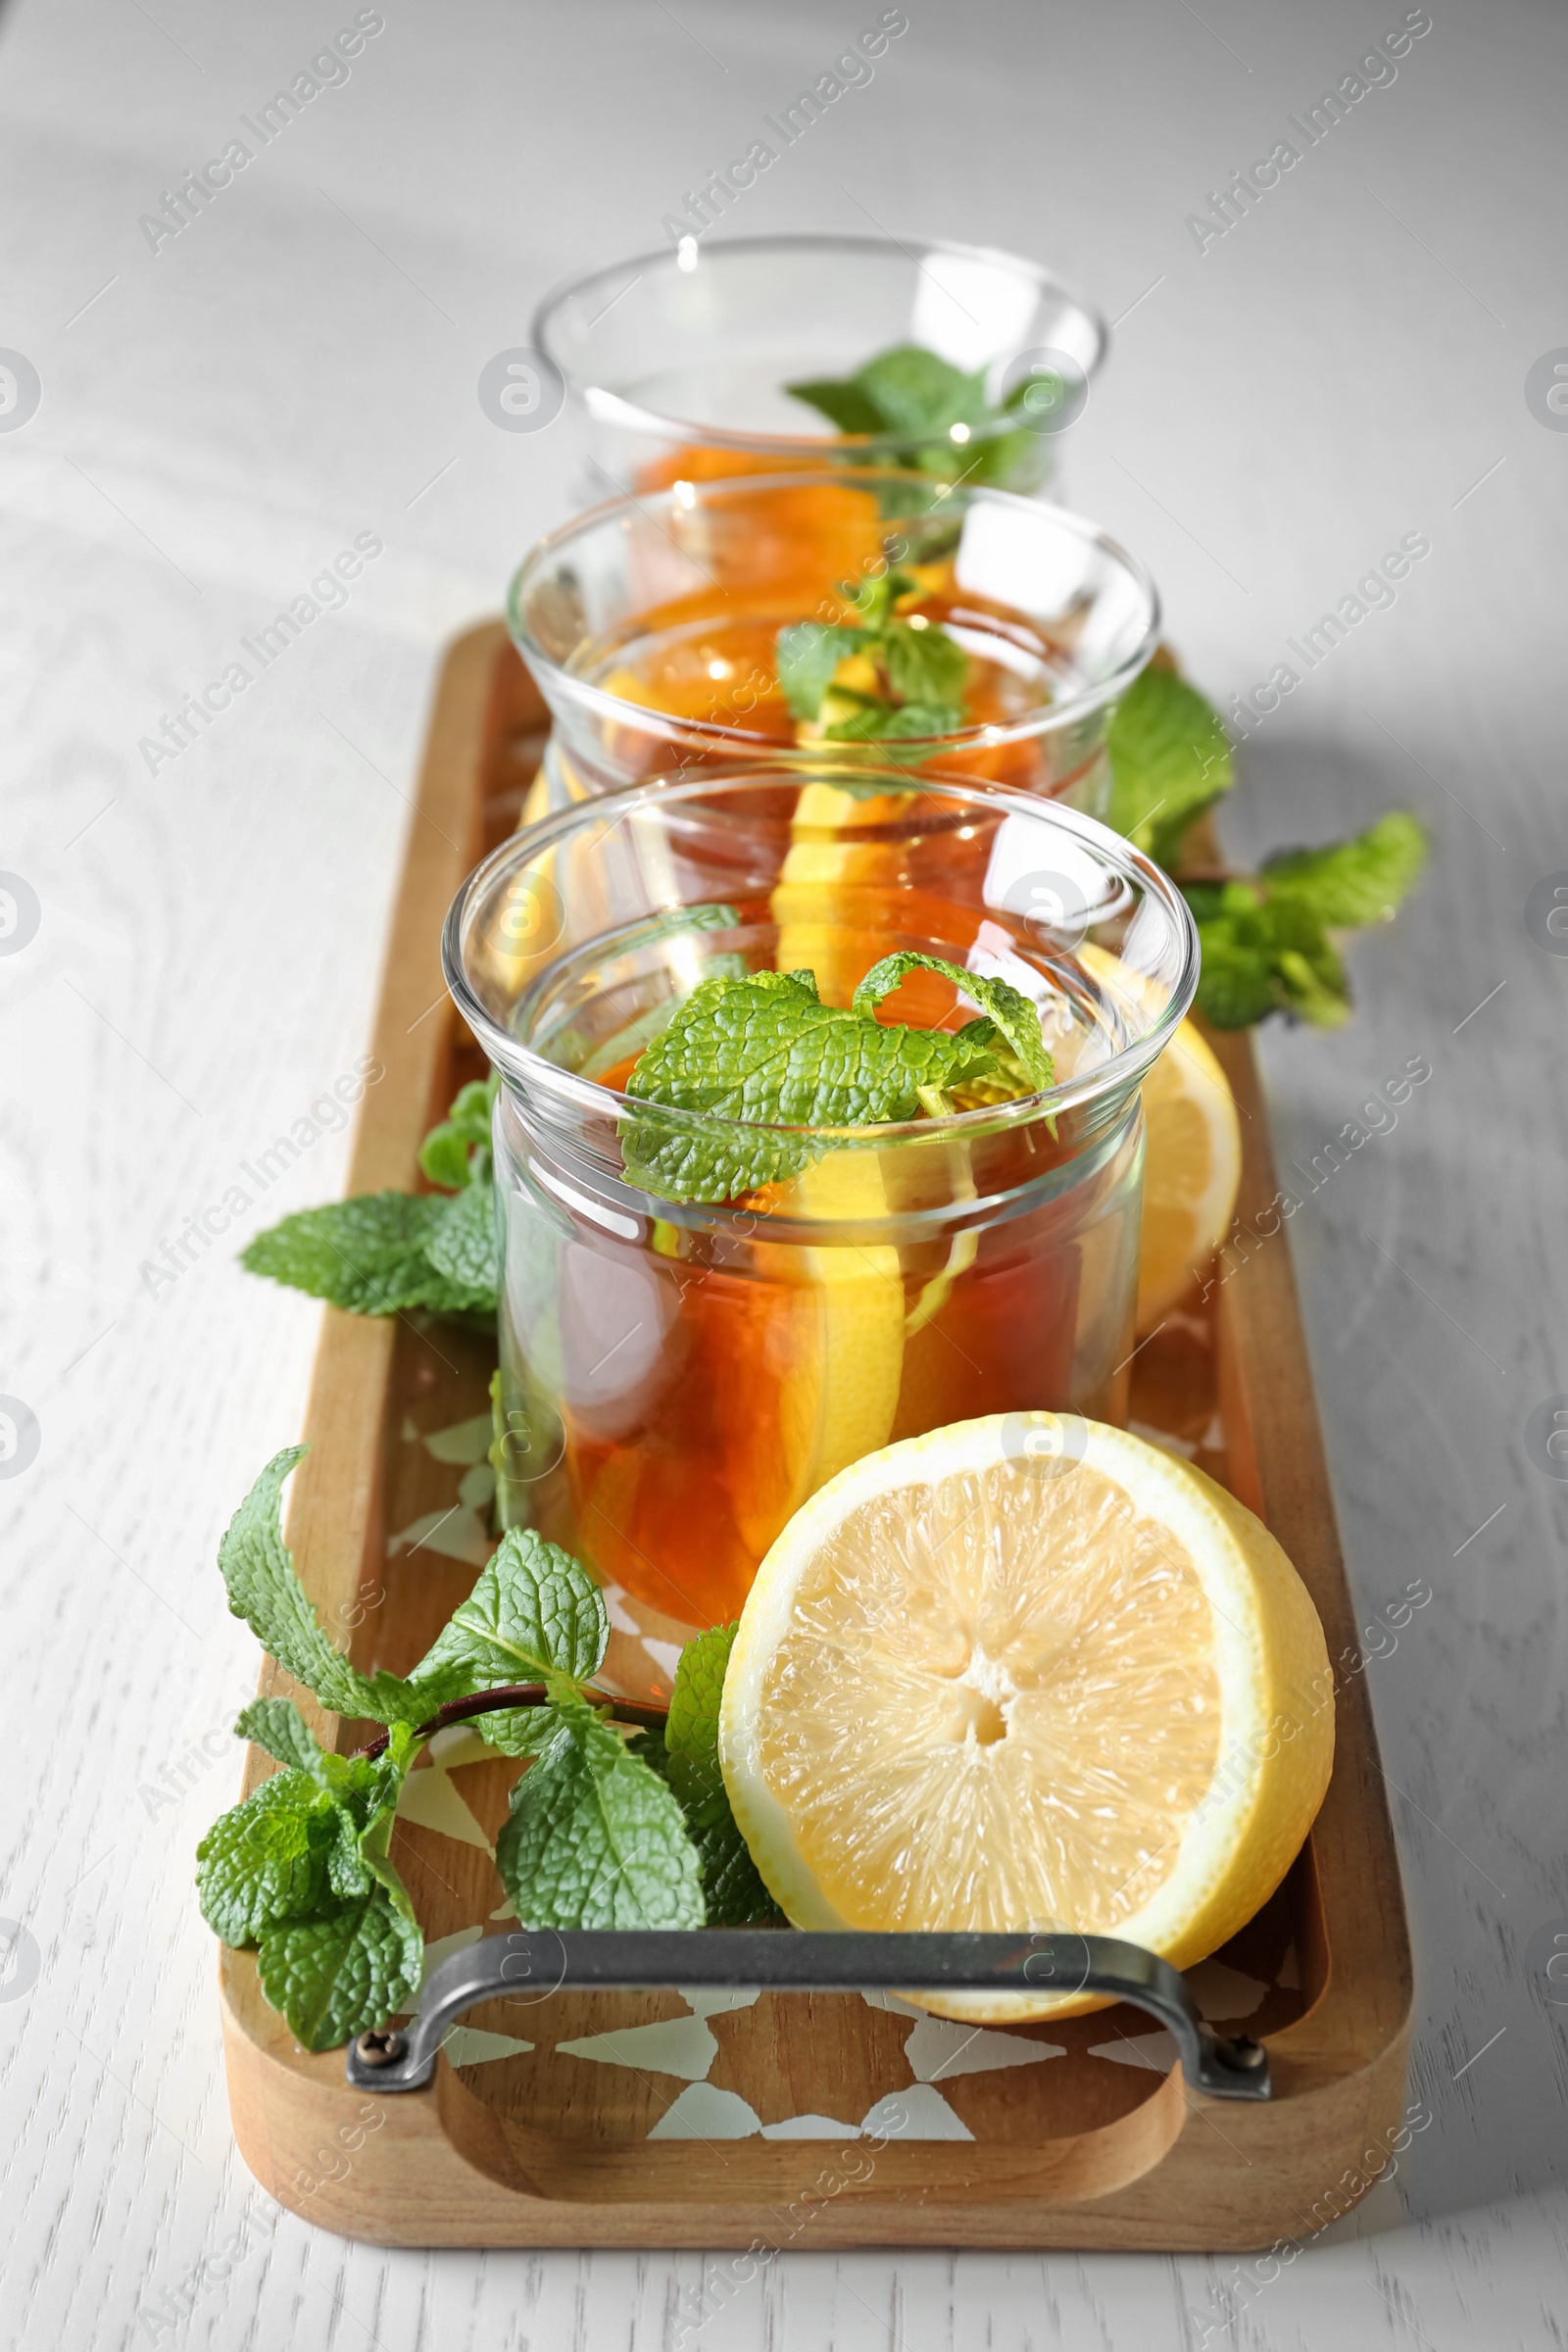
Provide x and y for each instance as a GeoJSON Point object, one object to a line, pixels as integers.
{"type": "Point", "coordinates": [1050, 717]}
{"type": "Point", "coordinates": [531, 1070]}
{"type": "Point", "coordinates": [617, 410]}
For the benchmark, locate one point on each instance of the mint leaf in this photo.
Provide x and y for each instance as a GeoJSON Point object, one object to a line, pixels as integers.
{"type": "Point", "coordinates": [365, 1255]}
{"type": "Point", "coordinates": [1352, 883]}
{"type": "Point", "coordinates": [1313, 986]}
{"type": "Point", "coordinates": [375, 1848]}
{"type": "Point", "coordinates": [1264, 943]}
{"type": "Point", "coordinates": [1005, 1007]}
{"type": "Point", "coordinates": [691, 1727]}
{"type": "Point", "coordinates": [925, 669]}
{"type": "Point", "coordinates": [347, 1874]}
{"type": "Point", "coordinates": [344, 1972]}
{"type": "Point", "coordinates": [734, 1893]}
{"type": "Point", "coordinates": [595, 1839]}
{"type": "Point", "coordinates": [258, 1569]}
{"type": "Point", "coordinates": [807, 657]}
{"type": "Point", "coordinates": [278, 1726]}
{"type": "Point", "coordinates": [1170, 759]}
{"type": "Point", "coordinates": [842, 402]}
{"type": "Point", "coordinates": [764, 1051]}
{"type": "Point", "coordinates": [876, 597]}
{"type": "Point", "coordinates": [307, 1839]}
{"type": "Point", "coordinates": [1236, 987]}
{"type": "Point", "coordinates": [924, 665]}
{"type": "Point", "coordinates": [518, 1731]}
{"type": "Point", "coordinates": [303, 1869]}
{"type": "Point", "coordinates": [534, 1614]}
{"type": "Point", "coordinates": [366, 1791]}
{"type": "Point", "coordinates": [915, 393]}
{"type": "Point", "coordinates": [265, 1860]}
{"type": "Point", "coordinates": [1264, 955]}
{"type": "Point", "coordinates": [1014, 460]}
{"type": "Point", "coordinates": [872, 599]}
{"type": "Point", "coordinates": [464, 1246]}
{"type": "Point", "coordinates": [456, 1151]}
{"type": "Point", "coordinates": [873, 720]}
{"type": "Point", "coordinates": [802, 980]}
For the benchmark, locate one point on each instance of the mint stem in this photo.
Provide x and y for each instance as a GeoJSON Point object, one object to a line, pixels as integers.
{"type": "Point", "coordinates": [523, 1694]}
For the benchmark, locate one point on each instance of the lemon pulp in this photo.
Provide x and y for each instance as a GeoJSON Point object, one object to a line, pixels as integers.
{"type": "Point", "coordinates": [975, 1689]}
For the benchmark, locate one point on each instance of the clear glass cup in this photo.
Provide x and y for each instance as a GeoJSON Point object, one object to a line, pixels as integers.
{"type": "Point", "coordinates": [650, 624]}
{"type": "Point", "coordinates": [679, 1377]}
{"type": "Point", "coordinates": [677, 361]}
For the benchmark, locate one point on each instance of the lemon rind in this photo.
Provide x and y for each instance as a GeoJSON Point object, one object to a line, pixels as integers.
{"type": "Point", "coordinates": [1269, 1653]}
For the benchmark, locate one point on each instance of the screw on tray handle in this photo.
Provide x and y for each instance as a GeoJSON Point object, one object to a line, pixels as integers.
{"type": "Point", "coordinates": [531, 1965]}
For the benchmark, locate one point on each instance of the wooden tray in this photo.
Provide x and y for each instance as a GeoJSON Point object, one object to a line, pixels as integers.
{"type": "Point", "coordinates": [800, 2120]}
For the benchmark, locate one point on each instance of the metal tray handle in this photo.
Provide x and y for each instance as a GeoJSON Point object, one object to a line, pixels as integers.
{"type": "Point", "coordinates": [532, 1964]}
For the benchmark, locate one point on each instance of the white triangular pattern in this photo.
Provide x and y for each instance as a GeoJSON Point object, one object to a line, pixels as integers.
{"type": "Point", "coordinates": [471, 2045]}
{"type": "Point", "coordinates": [918, 2113]}
{"type": "Point", "coordinates": [891, 2002]}
{"type": "Point", "coordinates": [462, 1440]}
{"type": "Point", "coordinates": [1156, 2051]}
{"type": "Point", "coordinates": [705, 2112]}
{"type": "Point", "coordinates": [476, 1488]}
{"type": "Point", "coordinates": [711, 2003]}
{"type": "Point", "coordinates": [938, 2049]}
{"type": "Point", "coordinates": [459, 1745]}
{"type": "Point", "coordinates": [672, 2045]}
{"type": "Point", "coordinates": [810, 2126]}
{"type": "Point", "coordinates": [456, 1534]}
{"type": "Point", "coordinates": [428, 1798]}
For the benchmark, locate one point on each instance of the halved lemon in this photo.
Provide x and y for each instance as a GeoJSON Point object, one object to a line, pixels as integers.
{"type": "Point", "coordinates": [1027, 1674]}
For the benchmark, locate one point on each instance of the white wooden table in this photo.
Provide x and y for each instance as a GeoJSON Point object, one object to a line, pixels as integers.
{"type": "Point", "coordinates": [218, 417]}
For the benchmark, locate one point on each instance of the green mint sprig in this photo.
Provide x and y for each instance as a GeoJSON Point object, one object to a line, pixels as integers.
{"type": "Point", "coordinates": [732, 1888]}
{"type": "Point", "coordinates": [385, 1253]}
{"type": "Point", "coordinates": [915, 394]}
{"type": "Point", "coordinates": [764, 1053]}
{"type": "Point", "coordinates": [1170, 761]}
{"type": "Point", "coordinates": [874, 719]}
{"type": "Point", "coordinates": [807, 656]}
{"type": "Point", "coordinates": [1265, 937]}
{"type": "Point", "coordinates": [1349, 884]}
{"type": "Point", "coordinates": [455, 1153]}
{"type": "Point", "coordinates": [923, 667]}
{"type": "Point", "coordinates": [611, 1825]}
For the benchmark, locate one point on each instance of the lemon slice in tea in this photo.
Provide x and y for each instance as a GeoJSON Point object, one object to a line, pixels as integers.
{"type": "Point", "coordinates": [833, 1336]}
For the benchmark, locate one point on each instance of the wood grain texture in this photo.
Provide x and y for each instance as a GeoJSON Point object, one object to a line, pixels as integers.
{"type": "Point", "coordinates": [1343, 367]}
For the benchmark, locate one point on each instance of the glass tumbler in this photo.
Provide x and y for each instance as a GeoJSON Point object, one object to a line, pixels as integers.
{"type": "Point", "coordinates": [679, 1375]}
{"type": "Point", "coordinates": [678, 363]}
{"type": "Point", "coordinates": [653, 627]}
